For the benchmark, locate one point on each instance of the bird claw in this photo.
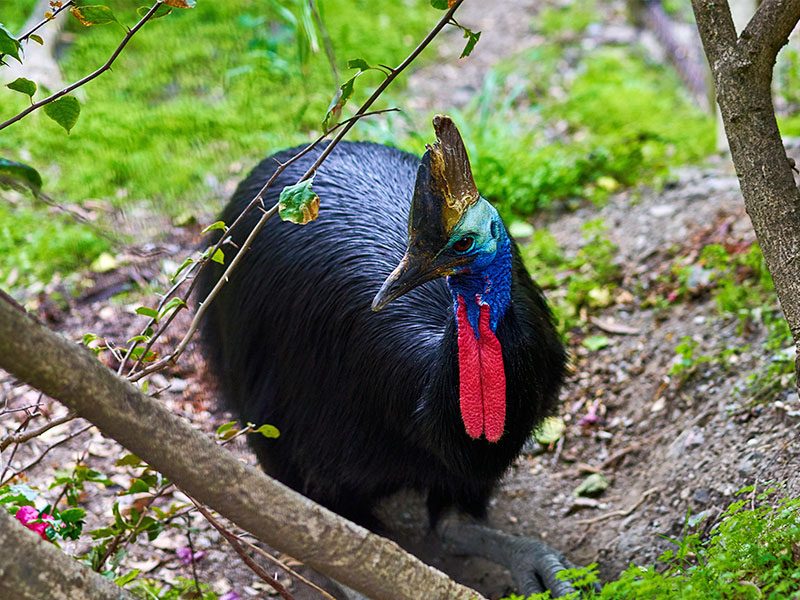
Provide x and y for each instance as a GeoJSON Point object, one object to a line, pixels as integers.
{"type": "Point", "coordinates": [535, 567]}
{"type": "Point", "coordinates": [533, 564]}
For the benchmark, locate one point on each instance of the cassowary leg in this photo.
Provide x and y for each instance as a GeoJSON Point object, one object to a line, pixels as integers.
{"type": "Point", "coordinates": [533, 564]}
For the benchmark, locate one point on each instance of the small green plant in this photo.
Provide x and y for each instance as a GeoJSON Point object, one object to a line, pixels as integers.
{"type": "Point", "coordinates": [580, 284]}
{"type": "Point", "coordinates": [741, 286]}
{"type": "Point", "coordinates": [753, 552]}
{"type": "Point", "coordinates": [572, 18]}
{"type": "Point", "coordinates": [688, 360]}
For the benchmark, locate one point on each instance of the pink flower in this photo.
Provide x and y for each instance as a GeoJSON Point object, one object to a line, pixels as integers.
{"type": "Point", "coordinates": [230, 596]}
{"type": "Point", "coordinates": [186, 557]}
{"type": "Point", "coordinates": [33, 520]}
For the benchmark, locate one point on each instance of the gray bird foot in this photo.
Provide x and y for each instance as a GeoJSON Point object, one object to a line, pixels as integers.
{"type": "Point", "coordinates": [533, 564]}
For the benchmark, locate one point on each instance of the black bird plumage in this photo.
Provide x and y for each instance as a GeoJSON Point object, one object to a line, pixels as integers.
{"type": "Point", "coordinates": [366, 403]}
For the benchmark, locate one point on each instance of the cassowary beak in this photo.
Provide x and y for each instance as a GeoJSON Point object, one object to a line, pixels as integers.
{"type": "Point", "coordinates": [410, 273]}
{"type": "Point", "coordinates": [443, 191]}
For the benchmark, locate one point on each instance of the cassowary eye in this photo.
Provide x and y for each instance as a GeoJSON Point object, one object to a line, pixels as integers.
{"type": "Point", "coordinates": [464, 244]}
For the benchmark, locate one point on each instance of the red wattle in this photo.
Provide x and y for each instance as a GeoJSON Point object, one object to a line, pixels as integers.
{"type": "Point", "coordinates": [481, 376]}
{"type": "Point", "coordinates": [469, 374]}
{"type": "Point", "coordinates": [493, 379]}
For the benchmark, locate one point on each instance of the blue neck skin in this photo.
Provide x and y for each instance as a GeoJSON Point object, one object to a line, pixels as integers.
{"type": "Point", "coordinates": [489, 277]}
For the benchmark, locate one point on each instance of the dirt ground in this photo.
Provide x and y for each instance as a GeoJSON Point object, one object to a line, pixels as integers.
{"type": "Point", "coordinates": [667, 450]}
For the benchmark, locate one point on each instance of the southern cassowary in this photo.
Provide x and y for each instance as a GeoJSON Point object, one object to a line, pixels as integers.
{"type": "Point", "coordinates": [435, 392]}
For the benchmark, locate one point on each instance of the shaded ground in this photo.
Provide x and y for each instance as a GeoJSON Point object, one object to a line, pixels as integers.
{"type": "Point", "coordinates": [668, 449]}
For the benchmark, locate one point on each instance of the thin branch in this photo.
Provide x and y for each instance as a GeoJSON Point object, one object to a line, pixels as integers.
{"type": "Point", "coordinates": [268, 214]}
{"type": "Point", "coordinates": [236, 544]}
{"type": "Point", "coordinates": [19, 438]}
{"type": "Point", "coordinates": [257, 200]}
{"type": "Point", "coordinates": [73, 86]}
{"type": "Point", "coordinates": [285, 567]}
{"type": "Point", "coordinates": [769, 29]}
{"type": "Point", "coordinates": [43, 22]}
{"type": "Point", "coordinates": [382, 87]}
{"type": "Point", "coordinates": [36, 461]}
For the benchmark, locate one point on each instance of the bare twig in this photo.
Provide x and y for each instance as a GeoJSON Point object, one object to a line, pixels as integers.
{"type": "Point", "coordinates": [83, 81]}
{"type": "Point", "coordinates": [622, 512]}
{"type": "Point", "coordinates": [236, 544]}
{"type": "Point", "coordinates": [192, 560]}
{"type": "Point", "coordinates": [22, 426]}
{"type": "Point", "coordinates": [38, 459]}
{"type": "Point", "coordinates": [268, 214]}
{"type": "Point", "coordinates": [285, 567]}
{"type": "Point", "coordinates": [619, 455]}
{"type": "Point", "coordinates": [19, 438]}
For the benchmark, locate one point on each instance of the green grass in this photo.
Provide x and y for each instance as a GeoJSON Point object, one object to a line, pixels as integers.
{"type": "Point", "coordinates": [14, 14]}
{"type": "Point", "coordinates": [197, 91]}
{"type": "Point", "coordinates": [196, 95]}
{"type": "Point", "coordinates": [738, 281]}
{"type": "Point", "coordinates": [623, 122]}
{"type": "Point", "coordinates": [34, 247]}
{"type": "Point", "coordinates": [572, 18]}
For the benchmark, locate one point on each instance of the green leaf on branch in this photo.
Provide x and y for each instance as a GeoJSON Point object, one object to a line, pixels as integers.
{"type": "Point", "coordinates": [268, 431]}
{"type": "Point", "coordinates": [72, 515]}
{"type": "Point", "coordinates": [216, 225]}
{"type": "Point", "coordinates": [95, 14]}
{"type": "Point", "coordinates": [218, 256]}
{"type": "Point", "coordinates": [22, 85]}
{"type": "Point", "coordinates": [227, 430]}
{"type": "Point", "coordinates": [146, 311]}
{"type": "Point", "coordinates": [170, 306]}
{"type": "Point", "coordinates": [299, 203]}
{"type": "Point", "coordinates": [343, 94]}
{"type": "Point", "coordinates": [36, 38]}
{"type": "Point", "coordinates": [19, 176]}
{"type": "Point", "coordinates": [8, 44]}
{"type": "Point", "coordinates": [64, 111]}
{"type": "Point", "coordinates": [440, 4]}
{"type": "Point", "coordinates": [472, 38]}
{"type": "Point", "coordinates": [161, 11]}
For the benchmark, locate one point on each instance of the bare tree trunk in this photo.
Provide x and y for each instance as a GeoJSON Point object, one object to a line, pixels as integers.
{"type": "Point", "coordinates": [742, 68]}
{"type": "Point", "coordinates": [266, 508]}
{"type": "Point", "coordinates": [32, 569]}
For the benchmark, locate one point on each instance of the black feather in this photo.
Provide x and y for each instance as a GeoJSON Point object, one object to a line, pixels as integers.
{"type": "Point", "coordinates": [366, 403]}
